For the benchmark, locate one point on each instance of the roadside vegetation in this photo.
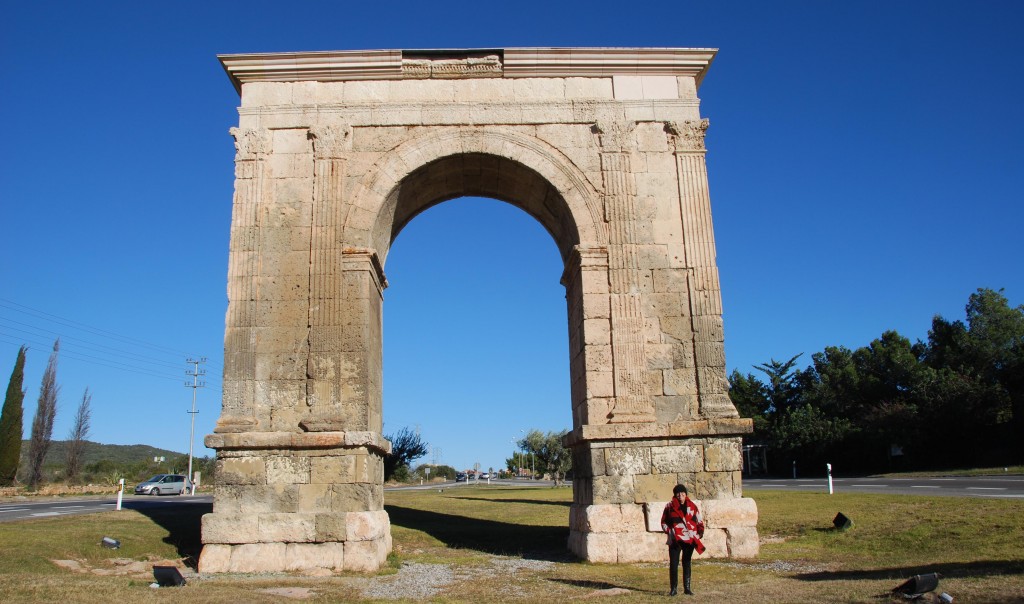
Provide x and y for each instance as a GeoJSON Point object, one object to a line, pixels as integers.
{"type": "Point", "coordinates": [503, 544]}
{"type": "Point", "coordinates": [953, 401]}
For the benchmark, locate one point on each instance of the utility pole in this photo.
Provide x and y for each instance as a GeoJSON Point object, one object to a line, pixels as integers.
{"type": "Point", "coordinates": [195, 385]}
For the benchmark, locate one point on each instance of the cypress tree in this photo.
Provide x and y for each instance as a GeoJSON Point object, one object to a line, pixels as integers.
{"type": "Point", "coordinates": [42, 423]}
{"type": "Point", "coordinates": [11, 423]}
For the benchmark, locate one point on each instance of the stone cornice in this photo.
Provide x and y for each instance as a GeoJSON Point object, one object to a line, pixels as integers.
{"type": "Point", "coordinates": [718, 427]}
{"type": "Point", "coordinates": [298, 440]}
{"type": "Point", "coordinates": [337, 66]}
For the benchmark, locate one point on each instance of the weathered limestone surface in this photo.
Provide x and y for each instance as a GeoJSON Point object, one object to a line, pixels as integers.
{"type": "Point", "coordinates": [335, 153]}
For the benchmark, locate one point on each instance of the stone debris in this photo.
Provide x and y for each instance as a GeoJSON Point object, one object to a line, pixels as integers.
{"type": "Point", "coordinates": [295, 593]}
{"type": "Point", "coordinates": [612, 591]}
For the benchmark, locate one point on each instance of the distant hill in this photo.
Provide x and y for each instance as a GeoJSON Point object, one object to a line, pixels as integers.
{"type": "Point", "coordinates": [94, 452]}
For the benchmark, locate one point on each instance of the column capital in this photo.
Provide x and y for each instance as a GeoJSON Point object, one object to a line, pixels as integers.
{"type": "Point", "coordinates": [330, 141]}
{"type": "Point", "coordinates": [615, 136]}
{"type": "Point", "coordinates": [356, 258]}
{"type": "Point", "coordinates": [583, 257]}
{"type": "Point", "coordinates": [251, 143]}
{"type": "Point", "coordinates": [687, 135]}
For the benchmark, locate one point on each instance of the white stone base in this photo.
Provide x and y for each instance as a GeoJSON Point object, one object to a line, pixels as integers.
{"type": "Point", "coordinates": [365, 548]}
{"type": "Point", "coordinates": [359, 556]}
{"type": "Point", "coordinates": [622, 533]}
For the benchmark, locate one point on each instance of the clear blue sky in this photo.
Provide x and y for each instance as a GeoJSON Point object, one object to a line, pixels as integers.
{"type": "Point", "coordinates": [866, 162]}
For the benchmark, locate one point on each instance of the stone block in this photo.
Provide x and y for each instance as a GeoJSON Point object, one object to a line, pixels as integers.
{"type": "Point", "coordinates": [676, 459]}
{"type": "Point", "coordinates": [242, 470]}
{"type": "Point", "coordinates": [602, 518]}
{"type": "Point", "coordinates": [712, 380]}
{"type": "Point", "coordinates": [262, 94]}
{"type": "Point", "coordinates": [669, 280]}
{"type": "Point", "coordinates": [708, 328]}
{"type": "Point", "coordinates": [287, 470]}
{"type": "Point", "coordinates": [588, 88]}
{"type": "Point", "coordinates": [215, 558]}
{"type": "Point", "coordinates": [642, 547]}
{"type": "Point", "coordinates": [366, 90]}
{"type": "Point", "coordinates": [627, 461]}
{"type": "Point", "coordinates": [365, 556]}
{"type": "Point", "coordinates": [230, 528]}
{"type": "Point", "coordinates": [596, 306]}
{"type": "Point", "coordinates": [633, 517]}
{"type": "Point", "coordinates": [653, 487]}
{"type": "Point", "coordinates": [613, 489]}
{"type": "Point", "coordinates": [652, 516]}
{"type": "Point", "coordinates": [330, 470]}
{"type": "Point", "coordinates": [713, 485]}
{"type": "Point", "coordinates": [716, 544]}
{"type": "Point", "coordinates": [659, 356]}
{"type": "Point", "coordinates": [258, 557]}
{"type": "Point", "coordinates": [596, 547]}
{"type": "Point", "coordinates": [680, 382]}
{"type": "Point", "coordinates": [676, 328]}
{"type": "Point", "coordinates": [356, 497]}
{"type": "Point", "coordinates": [723, 456]}
{"type": "Point", "coordinates": [687, 87]}
{"type": "Point", "coordinates": [330, 526]}
{"type": "Point", "coordinates": [305, 556]}
{"type": "Point", "coordinates": [710, 354]}
{"type": "Point", "coordinates": [597, 331]}
{"type": "Point", "coordinates": [600, 385]}
{"type": "Point", "coordinates": [534, 89]}
{"type": "Point", "coordinates": [367, 526]}
{"type": "Point", "coordinates": [627, 88]}
{"type": "Point", "coordinates": [598, 358]}
{"type": "Point", "coordinates": [314, 497]}
{"type": "Point", "coordinates": [743, 542]}
{"type": "Point", "coordinates": [729, 513]}
{"type": "Point", "coordinates": [291, 527]}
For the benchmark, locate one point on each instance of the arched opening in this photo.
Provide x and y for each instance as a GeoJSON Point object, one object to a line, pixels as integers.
{"type": "Point", "coordinates": [475, 339]}
{"type": "Point", "coordinates": [478, 175]}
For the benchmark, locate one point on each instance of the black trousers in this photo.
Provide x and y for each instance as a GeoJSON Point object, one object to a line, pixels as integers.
{"type": "Point", "coordinates": [674, 550]}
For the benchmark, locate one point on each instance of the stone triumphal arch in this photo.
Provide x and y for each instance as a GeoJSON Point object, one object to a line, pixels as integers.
{"type": "Point", "coordinates": [336, 152]}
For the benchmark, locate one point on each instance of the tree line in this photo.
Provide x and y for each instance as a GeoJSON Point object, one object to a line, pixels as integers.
{"type": "Point", "coordinates": [12, 425]}
{"type": "Point", "coordinates": [955, 400]}
{"type": "Point", "coordinates": [74, 460]}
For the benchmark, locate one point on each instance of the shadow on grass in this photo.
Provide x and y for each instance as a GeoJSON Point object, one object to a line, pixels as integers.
{"type": "Point", "coordinates": [980, 568]}
{"type": "Point", "coordinates": [598, 585]}
{"type": "Point", "coordinates": [489, 536]}
{"type": "Point", "coordinates": [182, 519]}
{"type": "Point", "coordinates": [501, 500]}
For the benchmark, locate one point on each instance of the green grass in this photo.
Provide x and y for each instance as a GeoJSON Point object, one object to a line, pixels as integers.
{"type": "Point", "coordinates": [508, 545]}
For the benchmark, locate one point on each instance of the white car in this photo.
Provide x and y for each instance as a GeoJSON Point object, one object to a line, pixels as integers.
{"type": "Point", "coordinates": [164, 484]}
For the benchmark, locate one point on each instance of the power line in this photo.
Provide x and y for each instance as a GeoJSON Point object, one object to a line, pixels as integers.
{"type": "Point", "coordinates": [120, 352]}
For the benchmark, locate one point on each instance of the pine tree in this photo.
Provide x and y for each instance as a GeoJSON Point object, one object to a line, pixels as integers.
{"type": "Point", "coordinates": [42, 423]}
{"type": "Point", "coordinates": [11, 422]}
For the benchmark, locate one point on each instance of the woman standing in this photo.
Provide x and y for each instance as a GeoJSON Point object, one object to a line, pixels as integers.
{"type": "Point", "coordinates": [684, 525]}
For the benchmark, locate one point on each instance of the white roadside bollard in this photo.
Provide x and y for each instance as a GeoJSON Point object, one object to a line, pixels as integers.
{"type": "Point", "coordinates": [120, 493]}
{"type": "Point", "coordinates": [829, 466]}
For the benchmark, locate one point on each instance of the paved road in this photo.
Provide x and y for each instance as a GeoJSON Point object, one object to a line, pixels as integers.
{"type": "Point", "coordinates": [1001, 487]}
{"type": "Point", "coordinates": [26, 510]}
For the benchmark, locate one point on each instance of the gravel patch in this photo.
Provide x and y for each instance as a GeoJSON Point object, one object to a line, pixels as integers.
{"type": "Point", "coordinates": [421, 581]}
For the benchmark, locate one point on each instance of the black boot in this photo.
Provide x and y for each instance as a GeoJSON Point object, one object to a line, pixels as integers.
{"type": "Point", "coordinates": [672, 592]}
{"type": "Point", "coordinates": [686, 587]}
